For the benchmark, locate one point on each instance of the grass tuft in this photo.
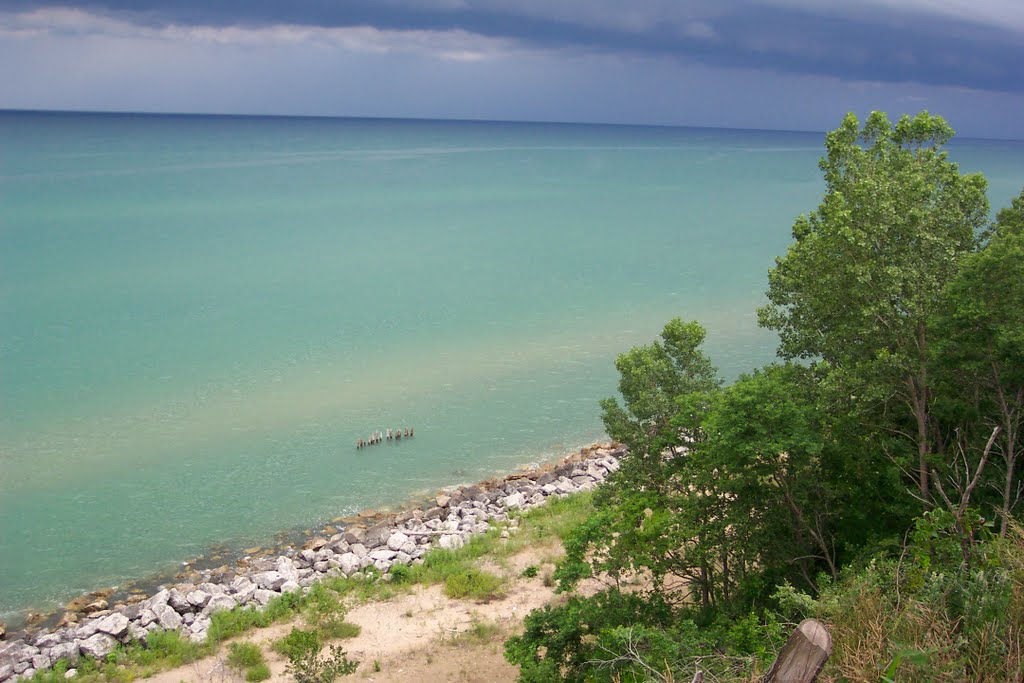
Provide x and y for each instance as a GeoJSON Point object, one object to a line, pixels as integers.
{"type": "Point", "coordinates": [260, 672]}
{"type": "Point", "coordinates": [473, 584]}
{"type": "Point", "coordinates": [297, 643]}
{"type": "Point", "coordinates": [244, 655]}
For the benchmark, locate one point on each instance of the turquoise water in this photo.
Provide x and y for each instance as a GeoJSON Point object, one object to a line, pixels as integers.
{"type": "Point", "coordinates": [200, 315]}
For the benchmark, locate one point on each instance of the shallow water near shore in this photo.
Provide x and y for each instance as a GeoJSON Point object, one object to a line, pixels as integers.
{"type": "Point", "coordinates": [200, 315]}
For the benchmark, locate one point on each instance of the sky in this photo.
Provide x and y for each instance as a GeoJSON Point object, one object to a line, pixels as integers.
{"type": "Point", "coordinates": [772, 64]}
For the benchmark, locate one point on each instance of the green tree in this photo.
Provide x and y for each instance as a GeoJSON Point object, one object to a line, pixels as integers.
{"type": "Point", "coordinates": [980, 328]}
{"type": "Point", "coordinates": [766, 437]}
{"type": "Point", "coordinates": [646, 516]}
{"type": "Point", "coordinates": [651, 380]}
{"type": "Point", "coordinates": [869, 266]}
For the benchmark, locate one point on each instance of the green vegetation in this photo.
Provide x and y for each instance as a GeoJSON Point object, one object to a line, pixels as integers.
{"type": "Point", "coordinates": [324, 610]}
{"type": "Point", "coordinates": [296, 643]}
{"type": "Point", "coordinates": [244, 655]}
{"type": "Point", "coordinates": [164, 650]}
{"type": "Point", "coordinates": [248, 658]}
{"type": "Point", "coordinates": [869, 478]}
{"type": "Point", "coordinates": [305, 662]}
{"type": "Point", "coordinates": [473, 584]}
{"type": "Point", "coordinates": [230, 623]}
{"type": "Point", "coordinates": [260, 672]}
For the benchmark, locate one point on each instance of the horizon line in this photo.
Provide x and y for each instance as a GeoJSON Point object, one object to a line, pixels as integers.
{"type": "Point", "coordinates": [343, 117]}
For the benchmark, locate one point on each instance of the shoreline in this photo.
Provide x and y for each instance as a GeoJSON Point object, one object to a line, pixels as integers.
{"type": "Point", "coordinates": [369, 541]}
{"type": "Point", "coordinates": [217, 554]}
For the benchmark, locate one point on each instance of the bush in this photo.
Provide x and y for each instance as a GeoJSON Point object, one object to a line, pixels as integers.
{"type": "Point", "coordinates": [310, 667]}
{"type": "Point", "coordinates": [169, 647]}
{"type": "Point", "coordinates": [297, 643]}
{"type": "Point", "coordinates": [260, 672]}
{"type": "Point", "coordinates": [248, 657]}
{"type": "Point", "coordinates": [566, 638]}
{"type": "Point", "coordinates": [244, 655]}
{"type": "Point", "coordinates": [473, 584]}
{"type": "Point", "coordinates": [400, 574]}
{"type": "Point", "coordinates": [926, 617]}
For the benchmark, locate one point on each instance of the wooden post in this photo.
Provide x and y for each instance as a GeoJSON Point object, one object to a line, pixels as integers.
{"type": "Point", "coordinates": [803, 656]}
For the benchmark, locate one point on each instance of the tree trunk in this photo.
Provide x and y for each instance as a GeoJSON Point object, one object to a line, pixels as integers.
{"type": "Point", "coordinates": [1011, 420]}
{"type": "Point", "coordinates": [919, 404]}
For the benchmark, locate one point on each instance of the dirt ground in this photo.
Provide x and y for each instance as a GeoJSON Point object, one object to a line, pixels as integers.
{"type": "Point", "coordinates": [418, 636]}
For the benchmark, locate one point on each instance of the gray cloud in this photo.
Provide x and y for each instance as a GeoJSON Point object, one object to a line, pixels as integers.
{"type": "Point", "coordinates": [938, 42]}
{"type": "Point", "coordinates": [781, 64]}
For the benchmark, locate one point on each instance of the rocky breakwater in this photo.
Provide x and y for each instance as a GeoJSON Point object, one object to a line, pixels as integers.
{"type": "Point", "coordinates": [397, 539]}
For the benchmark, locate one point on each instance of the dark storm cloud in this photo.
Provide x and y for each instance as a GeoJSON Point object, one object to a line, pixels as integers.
{"type": "Point", "coordinates": [945, 43]}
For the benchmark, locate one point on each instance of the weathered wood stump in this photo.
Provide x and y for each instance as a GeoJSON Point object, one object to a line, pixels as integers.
{"type": "Point", "coordinates": [803, 656]}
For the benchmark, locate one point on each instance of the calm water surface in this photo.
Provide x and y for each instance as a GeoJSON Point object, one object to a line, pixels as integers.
{"type": "Point", "coordinates": [200, 315]}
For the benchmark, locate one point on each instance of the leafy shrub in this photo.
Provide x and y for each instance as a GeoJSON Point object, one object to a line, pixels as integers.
{"type": "Point", "coordinates": [297, 643]}
{"type": "Point", "coordinates": [400, 574]}
{"type": "Point", "coordinates": [260, 672]}
{"type": "Point", "coordinates": [310, 667]}
{"type": "Point", "coordinates": [244, 655]}
{"type": "Point", "coordinates": [248, 657]}
{"type": "Point", "coordinates": [473, 584]}
{"type": "Point", "coordinates": [563, 642]}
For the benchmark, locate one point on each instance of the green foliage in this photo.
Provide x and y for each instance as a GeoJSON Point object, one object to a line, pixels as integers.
{"type": "Point", "coordinates": [793, 604]}
{"type": "Point", "coordinates": [651, 378]}
{"type": "Point", "coordinates": [55, 674]}
{"type": "Point", "coordinates": [244, 655]}
{"type": "Point", "coordinates": [784, 495]}
{"type": "Point", "coordinates": [259, 672]}
{"type": "Point", "coordinates": [977, 363]}
{"type": "Point", "coordinates": [866, 273]}
{"type": "Point", "coordinates": [615, 636]}
{"type": "Point", "coordinates": [306, 664]}
{"type": "Point", "coordinates": [752, 634]}
{"type": "Point", "coordinates": [869, 265]}
{"type": "Point", "coordinates": [473, 584]}
{"type": "Point", "coordinates": [163, 650]}
{"type": "Point", "coordinates": [530, 571]}
{"type": "Point", "coordinates": [248, 658]}
{"type": "Point", "coordinates": [230, 623]}
{"type": "Point", "coordinates": [297, 643]}
{"type": "Point", "coordinates": [166, 647]}
{"type": "Point", "coordinates": [337, 628]}
{"type": "Point", "coordinates": [310, 666]}
{"type": "Point", "coordinates": [324, 611]}
{"type": "Point", "coordinates": [361, 589]}
{"type": "Point", "coordinates": [400, 574]}
{"type": "Point", "coordinates": [926, 617]}
{"type": "Point", "coordinates": [565, 638]}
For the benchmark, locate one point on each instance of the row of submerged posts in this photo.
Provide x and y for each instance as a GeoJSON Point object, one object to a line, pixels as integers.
{"type": "Point", "coordinates": [390, 434]}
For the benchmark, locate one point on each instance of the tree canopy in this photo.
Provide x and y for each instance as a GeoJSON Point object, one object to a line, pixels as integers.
{"type": "Point", "coordinates": [873, 460]}
{"type": "Point", "coordinates": [868, 268]}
